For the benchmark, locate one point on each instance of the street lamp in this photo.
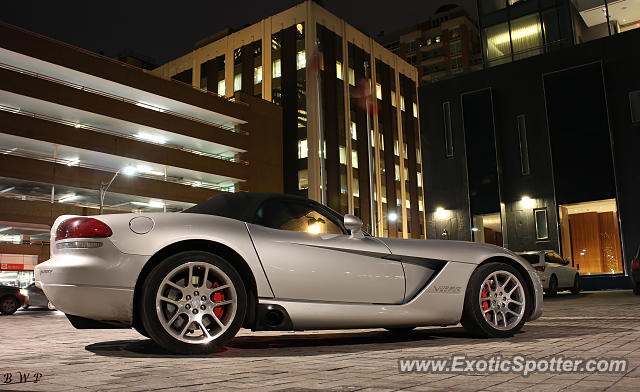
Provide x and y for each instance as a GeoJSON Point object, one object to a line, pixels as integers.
{"type": "Point", "coordinates": [128, 170]}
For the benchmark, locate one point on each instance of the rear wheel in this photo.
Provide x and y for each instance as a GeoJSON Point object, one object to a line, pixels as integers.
{"type": "Point", "coordinates": [496, 301]}
{"type": "Point", "coordinates": [9, 304]}
{"type": "Point", "coordinates": [576, 285]}
{"type": "Point", "coordinates": [193, 303]}
{"type": "Point", "coordinates": [553, 286]}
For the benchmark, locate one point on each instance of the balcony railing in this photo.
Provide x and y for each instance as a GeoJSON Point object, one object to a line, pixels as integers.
{"type": "Point", "coordinates": [119, 134]}
{"type": "Point", "coordinates": [236, 129]}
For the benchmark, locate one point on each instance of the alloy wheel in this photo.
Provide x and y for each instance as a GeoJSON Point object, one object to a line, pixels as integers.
{"type": "Point", "coordinates": [502, 300]}
{"type": "Point", "coordinates": [196, 302]}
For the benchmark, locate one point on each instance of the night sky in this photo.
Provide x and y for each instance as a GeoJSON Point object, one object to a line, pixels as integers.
{"type": "Point", "coordinates": [164, 30]}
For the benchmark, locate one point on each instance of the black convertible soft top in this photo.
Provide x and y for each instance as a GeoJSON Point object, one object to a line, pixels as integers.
{"type": "Point", "coordinates": [240, 205]}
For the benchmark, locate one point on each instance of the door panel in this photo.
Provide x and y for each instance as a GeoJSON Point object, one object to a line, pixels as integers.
{"type": "Point", "coordinates": [328, 267]}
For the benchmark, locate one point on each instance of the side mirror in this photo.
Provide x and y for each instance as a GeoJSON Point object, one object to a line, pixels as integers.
{"type": "Point", "coordinates": [354, 225]}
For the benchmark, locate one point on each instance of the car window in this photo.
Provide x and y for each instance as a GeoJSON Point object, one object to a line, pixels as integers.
{"type": "Point", "coordinates": [552, 257]}
{"type": "Point", "coordinates": [295, 216]}
{"type": "Point", "coordinates": [532, 258]}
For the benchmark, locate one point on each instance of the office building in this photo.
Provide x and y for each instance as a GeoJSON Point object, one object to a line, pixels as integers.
{"type": "Point", "coordinates": [541, 154]}
{"type": "Point", "coordinates": [338, 89]}
{"type": "Point", "coordinates": [445, 45]}
{"type": "Point", "coordinates": [74, 121]}
{"type": "Point", "coordinates": [516, 29]}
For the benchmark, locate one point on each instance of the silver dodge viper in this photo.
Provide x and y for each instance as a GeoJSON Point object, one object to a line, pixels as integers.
{"type": "Point", "coordinates": [191, 280]}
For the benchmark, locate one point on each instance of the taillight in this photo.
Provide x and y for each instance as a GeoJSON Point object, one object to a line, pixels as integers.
{"type": "Point", "coordinates": [82, 227]}
{"type": "Point", "coordinates": [539, 268]}
{"type": "Point", "coordinates": [635, 264]}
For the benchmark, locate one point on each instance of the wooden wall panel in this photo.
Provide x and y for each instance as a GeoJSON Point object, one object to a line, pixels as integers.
{"type": "Point", "coordinates": [610, 241]}
{"type": "Point", "coordinates": [585, 236]}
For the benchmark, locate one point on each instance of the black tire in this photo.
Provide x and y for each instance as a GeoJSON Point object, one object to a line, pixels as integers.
{"type": "Point", "coordinates": [9, 304]}
{"type": "Point", "coordinates": [553, 286]}
{"type": "Point", "coordinates": [576, 285]}
{"type": "Point", "coordinates": [636, 289]}
{"type": "Point", "coordinates": [140, 329]}
{"type": "Point", "coordinates": [473, 319]}
{"type": "Point", "coordinates": [151, 320]}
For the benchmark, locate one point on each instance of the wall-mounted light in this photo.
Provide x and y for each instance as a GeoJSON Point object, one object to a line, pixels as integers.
{"type": "Point", "coordinates": [474, 229]}
{"type": "Point", "coordinates": [527, 201]}
{"type": "Point", "coordinates": [392, 217]}
{"type": "Point", "coordinates": [441, 213]}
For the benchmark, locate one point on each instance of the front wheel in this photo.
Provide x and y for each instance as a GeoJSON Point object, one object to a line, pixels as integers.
{"type": "Point", "coordinates": [496, 301]}
{"type": "Point", "coordinates": [9, 305]}
{"type": "Point", "coordinates": [193, 303]}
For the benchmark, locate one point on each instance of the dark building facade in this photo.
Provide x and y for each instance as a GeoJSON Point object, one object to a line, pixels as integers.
{"type": "Point", "coordinates": [516, 29]}
{"type": "Point", "coordinates": [541, 154]}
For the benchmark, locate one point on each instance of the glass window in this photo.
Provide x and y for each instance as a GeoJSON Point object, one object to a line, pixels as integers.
{"type": "Point", "coordinates": [378, 91]}
{"type": "Point", "coordinates": [354, 132]}
{"type": "Point", "coordinates": [303, 150]}
{"type": "Point", "coordinates": [339, 70]}
{"type": "Point", "coordinates": [448, 135]}
{"type": "Point", "coordinates": [301, 60]}
{"type": "Point", "coordinates": [295, 216]}
{"type": "Point", "coordinates": [352, 77]}
{"type": "Point", "coordinates": [393, 98]}
{"type": "Point", "coordinates": [237, 82]}
{"type": "Point", "coordinates": [401, 103]}
{"type": "Point", "coordinates": [257, 75]}
{"type": "Point", "coordinates": [488, 6]}
{"type": "Point", "coordinates": [497, 44]}
{"type": "Point", "coordinates": [455, 47]}
{"type": "Point", "coordinates": [222, 88]}
{"type": "Point", "coordinates": [354, 159]}
{"type": "Point", "coordinates": [542, 227]}
{"type": "Point", "coordinates": [303, 179]}
{"type": "Point", "coordinates": [415, 110]}
{"type": "Point", "coordinates": [524, 146]}
{"type": "Point", "coordinates": [553, 257]}
{"type": "Point", "coordinates": [276, 69]}
{"type": "Point", "coordinates": [343, 155]}
{"type": "Point", "coordinates": [526, 36]}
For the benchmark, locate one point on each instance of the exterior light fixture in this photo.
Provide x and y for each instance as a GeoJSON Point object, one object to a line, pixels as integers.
{"type": "Point", "coordinates": [474, 229]}
{"type": "Point", "coordinates": [527, 201]}
{"type": "Point", "coordinates": [441, 213]}
{"type": "Point", "coordinates": [393, 217]}
{"type": "Point", "coordinates": [129, 170]}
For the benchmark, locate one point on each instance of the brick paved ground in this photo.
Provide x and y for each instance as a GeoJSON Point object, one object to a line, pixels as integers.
{"type": "Point", "coordinates": [603, 324]}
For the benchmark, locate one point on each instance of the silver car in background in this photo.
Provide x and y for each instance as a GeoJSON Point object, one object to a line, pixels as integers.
{"type": "Point", "coordinates": [264, 261]}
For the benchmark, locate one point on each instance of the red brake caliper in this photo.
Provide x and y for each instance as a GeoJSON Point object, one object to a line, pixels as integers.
{"type": "Point", "coordinates": [218, 296]}
{"type": "Point", "coordinates": [484, 294]}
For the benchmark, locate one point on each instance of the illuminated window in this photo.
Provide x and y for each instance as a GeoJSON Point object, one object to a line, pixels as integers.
{"type": "Point", "coordinates": [393, 98]}
{"type": "Point", "coordinates": [397, 172]}
{"type": "Point", "coordinates": [354, 133]}
{"type": "Point", "coordinates": [257, 75]}
{"type": "Point", "coordinates": [378, 91]}
{"type": "Point", "coordinates": [497, 43]}
{"type": "Point", "coordinates": [373, 139]}
{"type": "Point", "coordinates": [222, 88]}
{"type": "Point", "coordinates": [343, 155]}
{"type": "Point", "coordinates": [354, 159]}
{"type": "Point", "coordinates": [415, 110]}
{"type": "Point", "coordinates": [276, 70]}
{"type": "Point", "coordinates": [303, 149]}
{"type": "Point", "coordinates": [526, 36]}
{"type": "Point", "coordinates": [301, 60]}
{"type": "Point", "coordinates": [437, 39]}
{"type": "Point", "coordinates": [339, 70]}
{"type": "Point", "coordinates": [237, 82]}
{"type": "Point", "coordinates": [356, 187]}
{"type": "Point", "coordinates": [396, 150]}
{"type": "Point", "coordinates": [419, 176]}
{"type": "Point", "coordinates": [303, 179]}
{"type": "Point", "coordinates": [401, 103]}
{"type": "Point", "coordinates": [352, 77]}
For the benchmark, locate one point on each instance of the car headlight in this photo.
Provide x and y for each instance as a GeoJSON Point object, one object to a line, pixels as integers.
{"type": "Point", "coordinates": [24, 292]}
